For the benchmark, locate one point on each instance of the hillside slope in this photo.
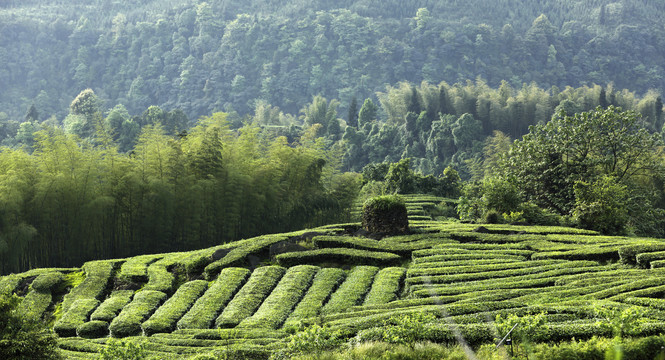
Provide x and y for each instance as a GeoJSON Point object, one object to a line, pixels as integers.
{"type": "Point", "coordinates": [223, 55]}
{"type": "Point", "coordinates": [249, 295]}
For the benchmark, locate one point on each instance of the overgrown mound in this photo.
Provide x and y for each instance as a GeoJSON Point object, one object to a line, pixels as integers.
{"type": "Point", "coordinates": [385, 215]}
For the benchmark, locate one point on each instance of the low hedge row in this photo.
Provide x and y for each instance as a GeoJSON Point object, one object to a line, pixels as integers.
{"type": "Point", "coordinates": [401, 248]}
{"type": "Point", "coordinates": [656, 303]}
{"type": "Point", "coordinates": [128, 322]}
{"type": "Point", "coordinates": [656, 264]}
{"type": "Point", "coordinates": [445, 279]}
{"type": "Point", "coordinates": [80, 345]}
{"type": "Point", "coordinates": [650, 291]}
{"type": "Point", "coordinates": [468, 263]}
{"type": "Point", "coordinates": [352, 291]}
{"type": "Point", "coordinates": [239, 255]}
{"type": "Point", "coordinates": [110, 308]}
{"type": "Point", "coordinates": [386, 285]}
{"type": "Point", "coordinates": [220, 334]}
{"type": "Point", "coordinates": [587, 253]}
{"type": "Point", "coordinates": [35, 304]}
{"type": "Point", "coordinates": [528, 281]}
{"type": "Point", "coordinates": [476, 255]}
{"type": "Point", "coordinates": [78, 313]}
{"type": "Point", "coordinates": [338, 255]}
{"type": "Point", "coordinates": [621, 291]}
{"type": "Point", "coordinates": [93, 329]}
{"type": "Point", "coordinates": [48, 281]}
{"type": "Point", "coordinates": [644, 259]}
{"type": "Point", "coordinates": [460, 250]}
{"type": "Point", "coordinates": [165, 318]}
{"type": "Point", "coordinates": [98, 275]}
{"type": "Point", "coordinates": [135, 269]}
{"type": "Point", "coordinates": [262, 281]}
{"type": "Point", "coordinates": [281, 301]}
{"type": "Point", "coordinates": [628, 253]}
{"type": "Point", "coordinates": [325, 282]}
{"type": "Point", "coordinates": [159, 277]}
{"type": "Point", "coordinates": [208, 307]}
{"type": "Point", "coordinates": [451, 270]}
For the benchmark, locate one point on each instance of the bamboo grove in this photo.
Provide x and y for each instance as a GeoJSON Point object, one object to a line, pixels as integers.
{"type": "Point", "coordinates": [70, 201]}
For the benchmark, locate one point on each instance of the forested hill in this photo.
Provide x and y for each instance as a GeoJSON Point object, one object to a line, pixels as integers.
{"type": "Point", "coordinates": [223, 55]}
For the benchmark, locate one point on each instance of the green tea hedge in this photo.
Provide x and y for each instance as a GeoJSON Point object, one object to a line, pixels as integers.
{"type": "Point", "coordinates": [208, 307]}
{"type": "Point", "coordinates": [338, 255]}
{"type": "Point", "coordinates": [281, 301]}
{"type": "Point", "coordinates": [165, 318]}
{"type": "Point", "coordinates": [250, 296]}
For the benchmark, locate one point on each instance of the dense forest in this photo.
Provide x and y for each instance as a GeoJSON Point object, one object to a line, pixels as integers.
{"type": "Point", "coordinates": [203, 57]}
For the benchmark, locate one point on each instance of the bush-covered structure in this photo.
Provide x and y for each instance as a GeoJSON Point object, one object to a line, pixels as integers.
{"type": "Point", "coordinates": [386, 215]}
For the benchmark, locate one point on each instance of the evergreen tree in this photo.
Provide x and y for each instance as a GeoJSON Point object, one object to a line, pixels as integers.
{"type": "Point", "coordinates": [352, 117]}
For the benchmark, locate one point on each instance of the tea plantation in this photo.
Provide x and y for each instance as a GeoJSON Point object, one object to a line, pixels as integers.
{"type": "Point", "coordinates": [250, 295]}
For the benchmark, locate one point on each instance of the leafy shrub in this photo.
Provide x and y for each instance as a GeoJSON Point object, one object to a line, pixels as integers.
{"type": "Point", "coordinates": [159, 276]}
{"type": "Point", "coordinates": [35, 304]}
{"type": "Point", "coordinates": [385, 215]}
{"type": "Point", "coordinates": [644, 259]}
{"type": "Point", "coordinates": [406, 329]}
{"type": "Point", "coordinates": [47, 282]}
{"type": "Point", "coordinates": [278, 305]}
{"type": "Point", "coordinates": [325, 282]}
{"type": "Point", "coordinates": [128, 322]}
{"type": "Point", "coordinates": [165, 318]}
{"type": "Point", "coordinates": [21, 337]}
{"type": "Point", "coordinates": [135, 269]}
{"type": "Point", "coordinates": [77, 314]}
{"type": "Point", "coordinates": [93, 329]}
{"type": "Point", "coordinates": [207, 308]}
{"type": "Point", "coordinates": [110, 308]}
{"type": "Point", "coordinates": [386, 284]}
{"type": "Point", "coordinates": [250, 296]}
{"type": "Point", "coordinates": [628, 254]}
{"type": "Point", "coordinates": [352, 291]}
{"type": "Point", "coordinates": [123, 350]}
{"type": "Point", "coordinates": [98, 275]}
{"type": "Point", "coordinates": [601, 206]}
{"type": "Point", "coordinates": [237, 256]}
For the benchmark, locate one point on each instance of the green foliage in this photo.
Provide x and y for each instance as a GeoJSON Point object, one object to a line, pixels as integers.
{"type": "Point", "coordinates": [601, 206]}
{"type": "Point", "coordinates": [260, 284]}
{"type": "Point", "coordinates": [384, 203]}
{"type": "Point", "coordinates": [325, 282]}
{"type": "Point", "coordinates": [281, 301]}
{"type": "Point", "coordinates": [112, 305]}
{"type": "Point", "coordinates": [165, 318]}
{"type": "Point", "coordinates": [97, 276]}
{"type": "Point", "coordinates": [352, 291]}
{"type": "Point", "coordinates": [21, 337]}
{"type": "Point", "coordinates": [128, 322]}
{"type": "Point", "coordinates": [93, 329]}
{"type": "Point", "coordinates": [604, 147]}
{"type": "Point", "coordinates": [207, 308]}
{"type": "Point", "coordinates": [527, 328]}
{"type": "Point", "coordinates": [621, 321]}
{"type": "Point", "coordinates": [238, 256]}
{"type": "Point", "coordinates": [407, 329]}
{"type": "Point", "coordinates": [313, 339]}
{"type": "Point", "coordinates": [123, 350]}
{"type": "Point", "coordinates": [386, 286]}
{"type": "Point", "coordinates": [77, 314]}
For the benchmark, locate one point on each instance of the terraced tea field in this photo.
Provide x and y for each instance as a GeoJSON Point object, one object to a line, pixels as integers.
{"type": "Point", "coordinates": [250, 294]}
